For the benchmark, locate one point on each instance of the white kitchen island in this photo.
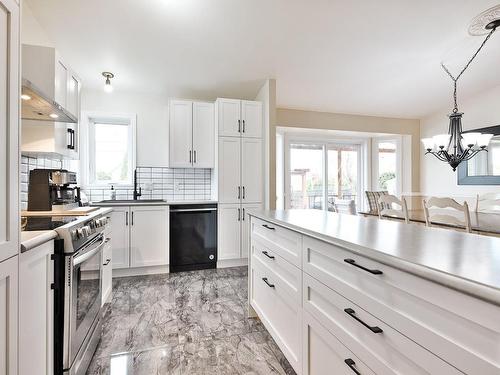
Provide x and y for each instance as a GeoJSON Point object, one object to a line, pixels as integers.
{"type": "Point", "coordinates": [345, 294]}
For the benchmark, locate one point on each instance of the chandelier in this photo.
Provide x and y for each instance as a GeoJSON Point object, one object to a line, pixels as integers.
{"type": "Point", "coordinates": [456, 146]}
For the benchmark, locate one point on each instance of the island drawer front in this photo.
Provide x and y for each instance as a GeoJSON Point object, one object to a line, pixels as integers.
{"type": "Point", "coordinates": [279, 311]}
{"type": "Point", "coordinates": [380, 346]}
{"type": "Point", "coordinates": [460, 329]}
{"type": "Point", "coordinates": [324, 354]}
{"type": "Point", "coordinates": [284, 242]}
{"type": "Point", "coordinates": [287, 272]}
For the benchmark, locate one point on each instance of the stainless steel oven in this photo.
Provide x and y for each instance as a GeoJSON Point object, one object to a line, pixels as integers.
{"type": "Point", "coordinates": [82, 305]}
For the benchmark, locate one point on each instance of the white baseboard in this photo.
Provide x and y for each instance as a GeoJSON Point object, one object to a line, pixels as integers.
{"type": "Point", "coordinates": [232, 263]}
{"type": "Point", "coordinates": [152, 270]}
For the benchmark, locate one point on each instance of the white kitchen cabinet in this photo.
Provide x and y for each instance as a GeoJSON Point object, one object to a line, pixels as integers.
{"type": "Point", "coordinates": [251, 119]}
{"type": "Point", "coordinates": [251, 170]}
{"type": "Point", "coordinates": [46, 70]}
{"type": "Point", "coordinates": [192, 134]}
{"type": "Point", "coordinates": [9, 309]}
{"type": "Point", "coordinates": [245, 227]}
{"type": "Point", "coordinates": [9, 129]}
{"type": "Point", "coordinates": [203, 135]}
{"type": "Point", "coordinates": [229, 170]}
{"type": "Point", "coordinates": [140, 236]}
{"type": "Point", "coordinates": [229, 231]}
{"type": "Point", "coordinates": [36, 310]}
{"type": "Point", "coordinates": [107, 269]}
{"type": "Point", "coordinates": [149, 229]}
{"type": "Point", "coordinates": [229, 117]}
{"type": "Point", "coordinates": [120, 242]}
{"type": "Point", "coordinates": [181, 133]}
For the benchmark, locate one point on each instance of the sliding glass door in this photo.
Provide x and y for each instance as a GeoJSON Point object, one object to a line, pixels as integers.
{"type": "Point", "coordinates": [320, 174]}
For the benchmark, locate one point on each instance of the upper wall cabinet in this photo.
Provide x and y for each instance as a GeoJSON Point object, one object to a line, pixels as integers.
{"type": "Point", "coordinates": [46, 75]}
{"type": "Point", "coordinates": [239, 118]}
{"type": "Point", "coordinates": [192, 134]}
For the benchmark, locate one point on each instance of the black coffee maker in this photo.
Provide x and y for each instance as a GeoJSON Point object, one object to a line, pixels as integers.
{"type": "Point", "coordinates": [52, 190]}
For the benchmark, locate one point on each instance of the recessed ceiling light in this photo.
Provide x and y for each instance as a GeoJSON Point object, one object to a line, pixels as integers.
{"type": "Point", "coordinates": [25, 97]}
{"type": "Point", "coordinates": [53, 115]}
{"type": "Point", "coordinates": [107, 84]}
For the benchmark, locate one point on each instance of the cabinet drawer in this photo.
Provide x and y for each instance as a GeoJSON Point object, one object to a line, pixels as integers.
{"type": "Point", "coordinates": [279, 310]}
{"type": "Point", "coordinates": [284, 242]}
{"type": "Point", "coordinates": [380, 346]}
{"type": "Point", "coordinates": [460, 329]}
{"type": "Point", "coordinates": [287, 273]}
{"type": "Point", "coordinates": [324, 354]}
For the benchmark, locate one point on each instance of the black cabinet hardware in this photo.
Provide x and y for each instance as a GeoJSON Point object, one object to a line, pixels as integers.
{"type": "Point", "coordinates": [132, 221]}
{"type": "Point", "coordinates": [267, 282]}
{"type": "Point", "coordinates": [239, 214]}
{"type": "Point", "coordinates": [243, 192]}
{"type": "Point", "coordinates": [268, 227]}
{"type": "Point", "coordinates": [239, 126]}
{"type": "Point", "coordinates": [194, 156]}
{"type": "Point", "coordinates": [267, 255]}
{"type": "Point", "coordinates": [243, 216]}
{"type": "Point", "coordinates": [126, 218]}
{"type": "Point", "coordinates": [243, 126]}
{"type": "Point", "coordinates": [239, 192]}
{"type": "Point", "coordinates": [71, 139]}
{"type": "Point", "coordinates": [190, 155]}
{"type": "Point", "coordinates": [353, 262]}
{"type": "Point", "coordinates": [350, 363]}
{"type": "Point", "coordinates": [107, 240]}
{"type": "Point", "coordinates": [352, 314]}
{"type": "Point", "coordinates": [107, 262]}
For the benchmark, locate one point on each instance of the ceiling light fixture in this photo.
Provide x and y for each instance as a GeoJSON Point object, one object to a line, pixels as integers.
{"type": "Point", "coordinates": [456, 146]}
{"type": "Point", "coordinates": [25, 97]}
{"type": "Point", "coordinates": [107, 84]}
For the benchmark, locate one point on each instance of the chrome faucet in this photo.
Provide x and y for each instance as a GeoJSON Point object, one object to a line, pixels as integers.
{"type": "Point", "coordinates": [137, 194]}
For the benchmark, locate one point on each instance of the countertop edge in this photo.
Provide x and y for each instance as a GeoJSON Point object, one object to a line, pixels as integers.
{"type": "Point", "coordinates": [482, 291]}
{"type": "Point", "coordinates": [139, 203]}
{"type": "Point", "coordinates": [38, 240]}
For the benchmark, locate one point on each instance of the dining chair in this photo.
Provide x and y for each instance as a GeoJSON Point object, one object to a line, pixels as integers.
{"type": "Point", "coordinates": [488, 203]}
{"type": "Point", "coordinates": [372, 197]}
{"type": "Point", "coordinates": [386, 207]}
{"type": "Point", "coordinates": [447, 211]}
{"type": "Point", "coordinates": [345, 206]}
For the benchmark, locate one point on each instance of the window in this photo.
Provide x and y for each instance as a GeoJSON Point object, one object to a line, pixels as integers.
{"type": "Point", "coordinates": [387, 162]}
{"type": "Point", "coordinates": [111, 147]}
{"type": "Point", "coordinates": [319, 174]}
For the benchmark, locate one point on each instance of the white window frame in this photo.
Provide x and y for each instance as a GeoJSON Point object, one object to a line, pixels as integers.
{"type": "Point", "coordinates": [88, 162]}
{"type": "Point", "coordinates": [363, 166]}
{"type": "Point", "coordinates": [399, 161]}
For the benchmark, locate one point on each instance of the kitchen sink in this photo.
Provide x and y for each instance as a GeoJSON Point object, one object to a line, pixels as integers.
{"type": "Point", "coordinates": [131, 201]}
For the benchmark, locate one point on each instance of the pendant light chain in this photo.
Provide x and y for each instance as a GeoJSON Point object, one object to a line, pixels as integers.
{"type": "Point", "coordinates": [455, 79]}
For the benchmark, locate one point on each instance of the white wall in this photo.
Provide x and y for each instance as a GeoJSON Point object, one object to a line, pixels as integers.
{"type": "Point", "coordinates": [152, 120]}
{"type": "Point", "coordinates": [31, 30]}
{"type": "Point", "coordinates": [436, 177]}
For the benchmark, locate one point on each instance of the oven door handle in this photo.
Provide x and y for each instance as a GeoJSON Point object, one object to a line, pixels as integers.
{"type": "Point", "coordinates": [88, 254]}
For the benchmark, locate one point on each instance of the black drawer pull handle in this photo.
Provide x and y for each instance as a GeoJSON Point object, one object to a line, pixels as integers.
{"type": "Point", "coordinates": [267, 282]}
{"type": "Point", "coordinates": [353, 262]}
{"type": "Point", "coordinates": [352, 314]}
{"type": "Point", "coordinates": [350, 363]}
{"type": "Point", "coordinates": [267, 255]}
{"type": "Point", "coordinates": [268, 227]}
{"type": "Point", "coordinates": [107, 262]}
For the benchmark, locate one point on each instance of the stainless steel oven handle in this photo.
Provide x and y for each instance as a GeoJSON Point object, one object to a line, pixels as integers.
{"type": "Point", "coordinates": [193, 210]}
{"type": "Point", "coordinates": [88, 254]}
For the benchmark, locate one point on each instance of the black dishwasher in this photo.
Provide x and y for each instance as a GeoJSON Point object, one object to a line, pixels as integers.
{"type": "Point", "coordinates": [193, 237]}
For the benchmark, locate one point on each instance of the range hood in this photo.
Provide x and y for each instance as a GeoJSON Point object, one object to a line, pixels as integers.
{"type": "Point", "coordinates": [38, 106]}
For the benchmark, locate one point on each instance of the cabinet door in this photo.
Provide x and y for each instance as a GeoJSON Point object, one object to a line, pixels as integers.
{"type": "Point", "coordinates": [120, 220]}
{"type": "Point", "coordinates": [149, 227]}
{"type": "Point", "coordinates": [9, 129]}
{"type": "Point", "coordinates": [245, 227]}
{"type": "Point", "coordinates": [36, 312]}
{"type": "Point", "coordinates": [181, 134]}
{"type": "Point", "coordinates": [229, 118]}
{"type": "Point", "coordinates": [229, 170]}
{"type": "Point", "coordinates": [251, 118]}
{"type": "Point", "coordinates": [8, 316]}
{"type": "Point", "coordinates": [251, 170]}
{"type": "Point", "coordinates": [73, 97]}
{"type": "Point", "coordinates": [61, 83]}
{"type": "Point", "coordinates": [229, 231]}
{"type": "Point", "coordinates": [203, 135]}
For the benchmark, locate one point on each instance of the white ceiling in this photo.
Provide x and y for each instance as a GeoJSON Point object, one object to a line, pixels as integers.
{"type": "Point", "coordinates": [366, 57]}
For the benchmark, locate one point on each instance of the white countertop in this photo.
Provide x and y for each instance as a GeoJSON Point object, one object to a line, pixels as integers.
{"type": "Point", "coordinates": [466, 262]}
{"type": "Point", "coordinates": [146, 203]}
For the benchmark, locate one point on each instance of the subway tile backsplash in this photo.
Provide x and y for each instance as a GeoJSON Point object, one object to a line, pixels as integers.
{"type": "Point", "coordinates": [157, 183]}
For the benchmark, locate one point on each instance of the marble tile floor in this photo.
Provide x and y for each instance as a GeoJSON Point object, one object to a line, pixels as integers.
{"type": "Point", "coordinates": [192, 323]}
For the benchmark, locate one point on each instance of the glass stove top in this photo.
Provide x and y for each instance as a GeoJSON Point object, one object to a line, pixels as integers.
{"type": "Point", "coordinates": [45, 222]}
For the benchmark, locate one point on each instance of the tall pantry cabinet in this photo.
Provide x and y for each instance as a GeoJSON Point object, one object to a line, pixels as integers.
{"type": "Point", "coordinates": [9, 183]}
{"type": "Point", "coordinates": [240, 173]}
